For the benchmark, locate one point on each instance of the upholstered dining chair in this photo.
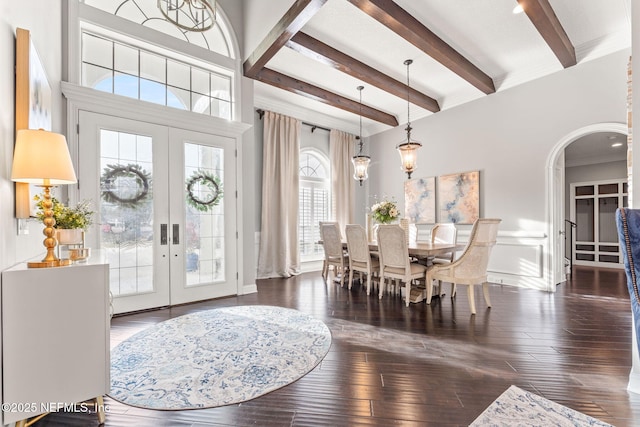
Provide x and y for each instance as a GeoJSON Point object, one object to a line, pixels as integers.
{"type": "Point", "coordinates": [394, 259]}
{"type": "Point", "coordinates": [443, 233]}
{"type": "Point", "coordinates": [360, 258]}
{"type": "Point", "coordinates": [334, 255]}
{"type": "Point", "coordinates": [471, 267]}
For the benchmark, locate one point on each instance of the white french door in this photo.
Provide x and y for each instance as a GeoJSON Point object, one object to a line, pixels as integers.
{"type": "Point", "coordinates": [165, 208]}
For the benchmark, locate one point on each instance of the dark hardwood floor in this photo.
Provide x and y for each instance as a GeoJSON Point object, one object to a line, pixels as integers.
{"type": "Point", "coordinates": [426, 365]}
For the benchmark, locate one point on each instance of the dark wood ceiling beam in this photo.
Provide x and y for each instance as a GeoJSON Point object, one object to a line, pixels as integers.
{"type": "Point", "coordinates": [546, 22]}
{"type": "Point", "coordinates": [406, 26]}
{"type": "Point", "coordinates": [290, 23]}
{"type": "Point", "coordinates": [316, 93]}
{"type": "Point", "coordinates": [315, 49]}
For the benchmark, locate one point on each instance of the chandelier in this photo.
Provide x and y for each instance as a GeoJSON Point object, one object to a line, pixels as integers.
{"type": "Point", "coordinates": [360, 161]}
{"type": "Point", "coordinates": [409, 149]}
{"type": "Point", "coordinates": [189, 15]}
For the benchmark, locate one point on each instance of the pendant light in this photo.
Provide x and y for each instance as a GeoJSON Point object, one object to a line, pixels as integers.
{"type": "Point", "coordinates": [360, 161]}
{"type": "Point", "coordinates": [409, 149]}
{"type": "Point", "coordinates": [189, 15]}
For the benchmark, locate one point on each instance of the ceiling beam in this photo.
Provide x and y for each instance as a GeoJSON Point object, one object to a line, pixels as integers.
{"type": "Point", "coordinates": [315, 49]}
{"type": "Point", "coordinates": [290, 23]}
{"type": "Point", "coordinates": [406, 26]}
{"type": "Point", "coordinates": [316, 93]}
{"type": "Point", "coordinates": [546, 22]}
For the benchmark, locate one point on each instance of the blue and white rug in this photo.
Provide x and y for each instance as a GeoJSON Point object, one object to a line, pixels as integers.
{"type": "Point", "coordinates": [517, 407]}
{"type": "Point", "coordinates": [216, 357]}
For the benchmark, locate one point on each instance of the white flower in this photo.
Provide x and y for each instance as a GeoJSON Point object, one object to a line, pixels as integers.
{"type": "Point", "coordinates": [393, 212]}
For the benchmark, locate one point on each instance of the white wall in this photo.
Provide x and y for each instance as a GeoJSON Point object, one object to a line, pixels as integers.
{"type": "Point", "coordinates": [45, 31]}
{"type": "Point", "coordinates": [508, 137]}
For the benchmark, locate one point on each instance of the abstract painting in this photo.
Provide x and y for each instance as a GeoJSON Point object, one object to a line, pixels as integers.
{"type": "Point", "coordinates": [33, 107]}
{"type": "Point", "coordinates": [459, 197]}
{"type": "Point", "coordinates": [420, 200]}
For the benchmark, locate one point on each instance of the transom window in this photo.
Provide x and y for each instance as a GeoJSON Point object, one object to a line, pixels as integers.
{"type": "Point", "coordinates": [313, 202]}
{"type": "Point", "coordinates": [115, 67]}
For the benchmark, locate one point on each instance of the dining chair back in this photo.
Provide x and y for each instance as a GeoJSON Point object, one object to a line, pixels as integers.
{"type": "Point", "coordinates": [444, 233]}
{"type": "Point", "coordinates": [394, 259]}
{"type": "Point", "coordinates": [360, 258]}
{"type": "Point", "coordinates": [471, 267]}
{"type": "Point", "coordinates": [333, 253]}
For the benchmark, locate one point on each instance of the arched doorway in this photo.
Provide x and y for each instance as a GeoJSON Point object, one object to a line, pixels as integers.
{"type": "Point", "coordinates": [556, 197]}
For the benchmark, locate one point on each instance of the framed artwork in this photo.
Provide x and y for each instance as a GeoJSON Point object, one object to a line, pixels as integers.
{"type": "Point", "coordinates": [459, 197]}
{"type": "Point", "coordinates": [420, 200]}
{"type": "Point", "coordinates": [33, 107]}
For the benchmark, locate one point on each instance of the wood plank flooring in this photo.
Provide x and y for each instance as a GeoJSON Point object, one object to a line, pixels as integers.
{"type": "Point", "coordinates": [426, 365]}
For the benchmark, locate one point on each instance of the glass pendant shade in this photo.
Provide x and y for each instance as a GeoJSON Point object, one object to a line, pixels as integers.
{"type": "Point", "coordinates": [408, 150]}
{"type": "Point", "coordinates": [360, 161]}
{"type": "Point", "coordinates": [360, 166]}
{"type": "Point", "coordinates": [409, 156]}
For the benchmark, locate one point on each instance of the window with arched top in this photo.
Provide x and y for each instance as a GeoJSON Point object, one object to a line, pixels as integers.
{"type": "Point", "coordinates": [313, 202]}
{"type": "Point", "coordinates": [141, 68]}
{"type": "Point", "coordinates": [146, 13]}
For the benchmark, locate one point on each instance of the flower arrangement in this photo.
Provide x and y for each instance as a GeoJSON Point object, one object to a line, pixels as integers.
{"type": "Point", "coordinates": [67, 217]}
{"type": "Point", "coordinates": [385, 211]}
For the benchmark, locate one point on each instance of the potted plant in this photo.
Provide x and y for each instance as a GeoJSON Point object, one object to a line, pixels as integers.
{"type": "Point", "coordinates": [71, 222]}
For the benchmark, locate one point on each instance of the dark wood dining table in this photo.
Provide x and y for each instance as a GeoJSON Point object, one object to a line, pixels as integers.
{"type": "Point", "coordinates": [420, 249]}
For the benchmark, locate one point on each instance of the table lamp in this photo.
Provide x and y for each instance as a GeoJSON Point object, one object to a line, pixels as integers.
{"type": "Point", "coordinates": [42, 158]}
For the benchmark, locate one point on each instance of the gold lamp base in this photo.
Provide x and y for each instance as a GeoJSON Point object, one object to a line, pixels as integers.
{"type": "Point", "coordinates": [48, 264]}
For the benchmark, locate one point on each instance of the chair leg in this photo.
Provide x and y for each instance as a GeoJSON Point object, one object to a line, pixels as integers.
{"type": "Point", "coordinates": [325, 269]}
{"type": "Point", "coordinates": [429, 288]}
{"type": "Point", "coordinates": [472, 300]}
{"type": "Point", "coordinates": [350, 278]}
{"type": "Point", "coordinates": [343, 271]}
{"type": "Point", "coordinates": [453, 290]}
{"type": "Point", "coordinates": [383, 284]}
{"type": "Point", "coordinates": [369, 283]}
{"type": "Point", "coordinates": [485, 291]}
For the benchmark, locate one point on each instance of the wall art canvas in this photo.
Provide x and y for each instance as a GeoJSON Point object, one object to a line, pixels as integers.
{"type": "Point", "coordinates": [420, 200]}
{"type": "Point", "coordinates": [33, 104]}
{"type": "Point", "coordinates": [459, 197]}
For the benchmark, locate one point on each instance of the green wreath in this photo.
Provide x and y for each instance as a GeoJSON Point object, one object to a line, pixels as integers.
{"type": "Point", "coordinates": [112, 172]}
{"type": "Point", "coordinates": [212, 183]}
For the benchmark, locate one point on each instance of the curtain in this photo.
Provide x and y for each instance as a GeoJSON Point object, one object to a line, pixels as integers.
{"type": "Point", "coordinates": [278, 256]}
{"type": "Point", "coordinates": [341, 150]}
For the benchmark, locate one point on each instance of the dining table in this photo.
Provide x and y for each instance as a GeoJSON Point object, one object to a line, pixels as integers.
{"type": "Point", "coordinates": [421, 250]}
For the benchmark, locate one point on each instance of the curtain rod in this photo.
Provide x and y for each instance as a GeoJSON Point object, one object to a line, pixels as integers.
{"type": "Point", "coordinates": [313, 127]}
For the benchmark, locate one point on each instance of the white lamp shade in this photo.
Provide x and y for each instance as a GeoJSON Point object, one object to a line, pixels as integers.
{"type": "Point", "coordinates": [42, 157]}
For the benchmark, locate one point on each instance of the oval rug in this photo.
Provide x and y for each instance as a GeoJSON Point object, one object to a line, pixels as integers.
{"type": "Point", "coordinates": [216, 357]}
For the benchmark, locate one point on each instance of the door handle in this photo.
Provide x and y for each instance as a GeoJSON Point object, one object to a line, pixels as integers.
{"type": "Point", "coordinates": [176, 234]}
{"type": "Point", "coordinates": [163, 234]}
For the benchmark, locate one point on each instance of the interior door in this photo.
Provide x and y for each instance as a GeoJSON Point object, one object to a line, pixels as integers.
{"type": "Point", "coordinates": [163, 247]}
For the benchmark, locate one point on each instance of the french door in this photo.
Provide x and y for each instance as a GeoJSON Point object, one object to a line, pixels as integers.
{"type": "Point", "coordinates": [165, 210]}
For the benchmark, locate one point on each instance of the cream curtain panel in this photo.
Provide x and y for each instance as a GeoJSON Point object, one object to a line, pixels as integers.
{"type": "Point", "coordinates": [341, 150]}
{"type": "Point", "coordinates": [278, 256]}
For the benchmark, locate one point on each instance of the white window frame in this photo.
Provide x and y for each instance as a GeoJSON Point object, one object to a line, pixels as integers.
{"type": "Point", "coordinates": [317, 183]}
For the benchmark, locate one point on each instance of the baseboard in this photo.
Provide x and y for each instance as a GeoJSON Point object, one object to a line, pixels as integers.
{"type": "Point", "coordinates": [249, 289]}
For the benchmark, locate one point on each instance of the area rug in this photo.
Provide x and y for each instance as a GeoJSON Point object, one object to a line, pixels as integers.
{"type": "Point", "coordinates": [517, 407]}
{"type": "Point", "coordinates": [216, 357]}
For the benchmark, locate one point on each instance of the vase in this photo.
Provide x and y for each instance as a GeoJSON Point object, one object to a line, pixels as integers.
{"type": "Point", "coordinates": [70, 236]}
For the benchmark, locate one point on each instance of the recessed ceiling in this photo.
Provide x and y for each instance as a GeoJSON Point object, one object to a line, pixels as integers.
{"type": "Point", "coordinates": [596, 148]}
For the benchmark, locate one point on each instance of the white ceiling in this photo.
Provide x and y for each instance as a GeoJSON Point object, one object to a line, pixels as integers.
{"type": "Point", "coordinates": [596, 148]}
{"type": "Point", "coordinates": [504, 45]}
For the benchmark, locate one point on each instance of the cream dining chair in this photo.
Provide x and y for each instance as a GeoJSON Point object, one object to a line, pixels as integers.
{"type": "Point", "coordinates": [394, 259]}
{"type": "Point", "coordinates": [471, 267]}
{"type": "Point", "coordinates": [360, 258]}
{"type": "Point", "coordinates": [334, 255]}
{"type": "Point", "coordinates": [444, 233]}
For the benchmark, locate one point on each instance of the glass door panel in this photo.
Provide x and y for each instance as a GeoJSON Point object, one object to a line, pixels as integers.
{"type": "Point", "coordinates": [203, 176]}
{"type": "Point", "coordinates": [119, 173]}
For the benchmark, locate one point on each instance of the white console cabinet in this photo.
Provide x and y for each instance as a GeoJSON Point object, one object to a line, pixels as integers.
{"type": "Point", "coordinates": [55, 337]}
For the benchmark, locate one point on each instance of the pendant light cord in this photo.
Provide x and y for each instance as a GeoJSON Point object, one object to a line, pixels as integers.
{"type": "Point", "coordinates": [360, 90]}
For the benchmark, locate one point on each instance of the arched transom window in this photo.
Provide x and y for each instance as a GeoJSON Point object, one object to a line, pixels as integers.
{"type": "Point", "coordinates": [313, 202]}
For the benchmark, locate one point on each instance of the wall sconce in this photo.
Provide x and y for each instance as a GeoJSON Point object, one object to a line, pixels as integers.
{"type": "Point", "coordinates": [41, 157]}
